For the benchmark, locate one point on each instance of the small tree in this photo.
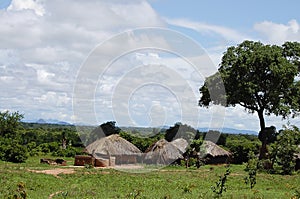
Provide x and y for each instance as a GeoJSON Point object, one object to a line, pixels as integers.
{"type": "Point", "coordinates": [9, 122]}
{"type": "Point", "coordinates": [11, 145]}
{"type": "Point", "coordinates": [284, 149]}
{"type": "Point", "coordinates": [251, 168]}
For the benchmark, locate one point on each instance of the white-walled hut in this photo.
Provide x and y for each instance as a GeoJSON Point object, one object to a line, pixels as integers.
{"type": "Point", "coordinates": [115, 146]}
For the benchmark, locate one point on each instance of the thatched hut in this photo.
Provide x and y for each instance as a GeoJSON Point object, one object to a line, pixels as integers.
{"type": "Point", "coordinates": [164, 153]}
{"type": "Point", "coordinates": [211, 153]}
{"type": "Point", "coordinates": [114, 146]}
{"type": "Point", "coordinates": [181, 144]}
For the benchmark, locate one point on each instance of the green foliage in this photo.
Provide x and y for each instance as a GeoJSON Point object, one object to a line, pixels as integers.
{"type": "Point", "coordinates": [268, 135]}
{"type": "Point", "coordinates": [9, 122]}
{"type": "Point", "coordinates": [141, 143]}
{"type": "Point", "coordinates": [12, 151]}
{"type": "Point", "coordinates": [11, 148]}
{"type": "Point", "coordinates": [251, 168]}
{"type": "Point", "coordinates": [19, 193]}
{"type": "Point", "coordinates": [68, 152]}
{"type": "Point", "coordinates": [220, 186]}
{"type": "Point", "coordinates": [284, 149]}
{"type": "Point", "coordinates": [180, 131]}
{"type": "Point", "coordinates": [103, 130]}
{"type": "Point", "coordinates": [261, 78]}
{"type": "Point", "coordinates": [240, 149]}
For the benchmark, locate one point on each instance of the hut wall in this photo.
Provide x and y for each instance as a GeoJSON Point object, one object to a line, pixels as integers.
{"type": "Point", "coordinates": [126, 159]}
{"type": "Point", "coordinates": [101, 162]}
{"type": "Point", "coordinates": [217, 160]}
{"type": "Point", "coordinates": [81, 160]}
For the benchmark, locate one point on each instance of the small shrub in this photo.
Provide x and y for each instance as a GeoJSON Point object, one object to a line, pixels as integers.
{"type": "Point", "coordinates": [251, 168]}
{"type": "Point", "coordinates": [19, 193]}
{"type": "Point", "coordinates": [88, 166]}
{"type": "Point", "coordinates": [220, 186]}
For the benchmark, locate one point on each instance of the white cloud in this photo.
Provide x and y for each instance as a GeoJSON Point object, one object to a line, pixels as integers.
{"type": "Point", "coordinates": [35, 5]}
{"type": "Point", "coordinates": [276, 33]}
{"type": "Point", "coordinates": [204, 28]}
{"type": "Point", "coordinates": [44, 42]}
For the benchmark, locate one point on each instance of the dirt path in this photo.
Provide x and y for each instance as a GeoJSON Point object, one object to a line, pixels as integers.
{"type": "Point", "coordinates": [55, 172]}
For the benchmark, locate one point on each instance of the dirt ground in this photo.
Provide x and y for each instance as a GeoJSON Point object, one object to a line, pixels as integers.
{"type": "Point", "coordinates": [55, 172]}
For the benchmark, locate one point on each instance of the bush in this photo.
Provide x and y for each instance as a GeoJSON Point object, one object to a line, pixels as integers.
{"type": "Point", "coordinates": [12, 151]}
{"type": "Point", "coordinates": [284, 149]}
{"type": "Point", "coordinates": [68, 152]}
{"type": "Point", "coordinates": [251, 168]}
{"type": "Point", "coordinates": [48, 147]}
{"type": "Point", "coordinates": [241, 148]}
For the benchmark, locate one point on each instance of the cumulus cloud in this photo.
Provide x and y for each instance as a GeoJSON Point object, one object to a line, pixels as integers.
{"type": "Point", "coordinates": [276, 33]}
{"type": "Point", "coordinates": [44, 42]}
{"type": "Point", "coordinates": [209, 29]}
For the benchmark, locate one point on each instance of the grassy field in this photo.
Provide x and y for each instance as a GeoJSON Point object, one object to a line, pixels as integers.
{"type": "Point", "coordinates": [169, 182]}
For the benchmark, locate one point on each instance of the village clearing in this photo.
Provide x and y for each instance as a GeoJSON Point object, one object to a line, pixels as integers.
{"type": "Point", "coordinates": [46, 181]}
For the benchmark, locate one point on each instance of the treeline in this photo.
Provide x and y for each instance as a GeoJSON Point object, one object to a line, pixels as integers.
{"type": "Point", "coordinates": [20, 140]}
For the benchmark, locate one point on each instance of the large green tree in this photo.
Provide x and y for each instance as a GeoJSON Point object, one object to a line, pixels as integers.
{"type": "Point", "coordinates": [261, 78]}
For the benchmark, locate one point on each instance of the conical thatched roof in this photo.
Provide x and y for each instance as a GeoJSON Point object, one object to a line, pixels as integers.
{"type": "Point", "coordinates": [210, 148]}
{"type": "Point", "coordinates": [112, 145]}
{"type": "Point", "coordinates": [162, 152]}
{"type": "Point", "coordinates": [181, 144]}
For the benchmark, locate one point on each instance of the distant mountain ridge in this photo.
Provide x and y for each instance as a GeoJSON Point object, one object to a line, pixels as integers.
{"type": "Point", "coordinates": [148, 130]}
{"type": "Point", "coordinates": [229, 131]}
{"type": "Point", "coordinates": [47, 121]}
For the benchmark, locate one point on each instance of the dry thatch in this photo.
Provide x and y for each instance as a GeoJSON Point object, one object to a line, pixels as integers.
{"type": "Point", "coordinates": [181, 144]}
{"type": "Point", "coordinates": [163, 152]}
{"type": "Point", "coordinates": [112, 145]}
{"type": "Point", "coordinates": [213, 150]}
{"type": "Point", "coordinates": [211, 153]}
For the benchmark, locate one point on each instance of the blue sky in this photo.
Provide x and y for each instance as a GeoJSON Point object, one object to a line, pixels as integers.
{"type": "Point", "coordinates": [44, 45]}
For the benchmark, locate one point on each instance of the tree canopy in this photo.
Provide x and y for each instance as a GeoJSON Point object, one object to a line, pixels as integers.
{"type": "Point", "coordinates": [105, 129]}
{"type": "Point", "coordinates": [9, 122]}
{"type": "Point", "coordinates": [180, 130]}
{"type": "Point", "coordinates": [261, 78]}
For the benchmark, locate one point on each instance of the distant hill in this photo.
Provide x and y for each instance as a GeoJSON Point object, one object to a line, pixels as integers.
{"type": "Point", "coordinates": [230, 131]}
{"type": "Point", "coordinates": [146, 131]}
{"type": "Point", "coordinates": [149, 130]}
{"type": "Point", "coordinates": [50, 121]}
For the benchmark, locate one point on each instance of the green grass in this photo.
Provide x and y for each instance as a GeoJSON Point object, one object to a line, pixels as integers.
{"type": "Point", "coordinates": [169, 182]}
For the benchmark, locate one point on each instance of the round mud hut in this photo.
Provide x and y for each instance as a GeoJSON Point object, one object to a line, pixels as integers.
{"type": "Point", "coordinates": [164, 153]}
{"type": "Point", "coordinates": [211, 153]}
{"type": "Point", "coordinates": [115, 146]}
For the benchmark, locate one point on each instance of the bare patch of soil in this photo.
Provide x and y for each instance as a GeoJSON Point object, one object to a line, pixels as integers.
{"type": "Point", "coordinates": [55, 172]}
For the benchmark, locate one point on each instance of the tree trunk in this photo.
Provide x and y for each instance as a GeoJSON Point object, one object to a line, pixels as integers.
{"type": "Point", "coordinates": [263, 149]}
{"type": "Point", "coordinates": [261, 119]}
